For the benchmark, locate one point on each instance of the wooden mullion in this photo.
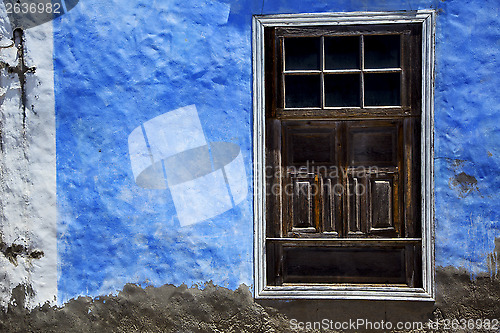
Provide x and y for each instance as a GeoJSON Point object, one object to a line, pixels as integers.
{"type": "Point", "coordinates": [407, 179]}
{"type": "Point", "coordinates": [322, 68]}
{"type": "Point", "coordinates": [331, 113]}
{"type": "Point", "coordinates": [348, 242]}
{"type": "Point", "coordinates": [399, 195]}
{"type": "Point", "coordinates": [383, 70]}
{"type": "Point", "coordinates": [287, 221]}
{"type": "Point", "coordinates": [271, 259]}
{"type": "Point", "coordinates": [406, 69]}
{"type": "Point", "coordinates": [339, 30]}
{"type": "Point", "coordinates": [270, 74]}
{"type": "Point", "coordinates": [281, 75]}
{"type": "Point", "coordinates": [415, 63]}
{"type": "Point", "coordinates": [316, 202]}
{"type": "Point", "coordinates": [364, 206]}
{"type": "Point", "coordinates": [301, 72]}
{"type": "Point", "coordinates": [409, 266]}
{"type": "Point", "coordinates": [362, 66]}
{"type": "Point", "coordinates": [273, 165]}
{"type": "Point", "coordinates": [280, 261]}
{"type": "Point", "coordinates": [341, 71]}
{"type": "Point", "coordinates": [342, 165]}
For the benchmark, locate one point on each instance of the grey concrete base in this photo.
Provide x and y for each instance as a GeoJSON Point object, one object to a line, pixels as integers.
{"type": "Point", "coordinates": [216, 309]}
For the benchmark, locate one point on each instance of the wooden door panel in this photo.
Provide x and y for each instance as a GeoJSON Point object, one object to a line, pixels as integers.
{"type": "Point", "coordinates": [383, 205]}
{"type": "Point", "coordinates": [306, 144]}
{"type": "Point", "coordinates": [314, 206]}
{"type": "Point", "coordinates": [372, 206]}
{"type": "Point", "coordinates": [302, 204]}
{"type": "Point", "coordinates": [356, 206]}
{"type": "Point", "coordinates": [373, 144]}
{"type": "Point", "coordinates": [331, 204]}
{"type": "Point", "coordinates": [302, 198]}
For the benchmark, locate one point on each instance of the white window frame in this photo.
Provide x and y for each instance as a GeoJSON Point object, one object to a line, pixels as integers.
{"type": "Point", "coordinates": [261, 290]}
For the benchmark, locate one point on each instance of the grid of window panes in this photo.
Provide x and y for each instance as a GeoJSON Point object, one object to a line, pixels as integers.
{"type": "Point", "coordinates": [353, 71]}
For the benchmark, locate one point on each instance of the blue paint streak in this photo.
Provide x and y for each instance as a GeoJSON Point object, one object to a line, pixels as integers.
{"type": "Point", "coordinates": [118, 64]}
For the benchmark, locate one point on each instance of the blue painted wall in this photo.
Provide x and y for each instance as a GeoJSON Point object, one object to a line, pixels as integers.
{"type": "Point", "coordinates": [121, 63]}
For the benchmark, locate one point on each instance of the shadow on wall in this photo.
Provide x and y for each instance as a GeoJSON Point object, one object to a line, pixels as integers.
{"type": "Point", "coordinates": [181, 309]}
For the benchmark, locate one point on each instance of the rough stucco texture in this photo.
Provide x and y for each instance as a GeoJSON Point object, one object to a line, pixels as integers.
{"type": "Point", "coordinates": [216, 309]}
{"type": "Point", "coordinates": [467, 134]}
{"type": "Point", "coordinates": [28, 216]}
{"type": "Point", "coordinates": [119, 64]}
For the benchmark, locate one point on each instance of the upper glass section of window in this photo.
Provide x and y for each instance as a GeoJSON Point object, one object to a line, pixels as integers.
{"type": "Point", "coordinates": [342, 71]}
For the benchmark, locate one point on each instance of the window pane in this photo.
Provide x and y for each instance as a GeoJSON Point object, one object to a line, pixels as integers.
{"type": "Point", "coordinates": [342, 52]}
{"type": "Point", "coordinates": [311, 147]}
{"type": "Point", "coordinates": [302, 91]}
{"type": "Point", "coordinates": [342, 90]}
{"type": "Point", "coordinates": [382, 51]}
{"type": "Point", "coordinates": [373, 146]}
{"type": "Point", "coordinates": [302, 53]}
{"type": "Point", "coordinates": [382, 89]}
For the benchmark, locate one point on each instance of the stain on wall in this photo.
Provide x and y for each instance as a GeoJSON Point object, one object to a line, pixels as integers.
{"type": "Point", "coordinates": [494, 261]}
{"type": "Point", "coordinates": [13, 251]}
{"type": "Point", "coordinates": [464, 184]}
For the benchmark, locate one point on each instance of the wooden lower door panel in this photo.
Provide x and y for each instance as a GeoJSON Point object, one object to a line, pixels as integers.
{"type": "Point", "coordinates": [353, 265]}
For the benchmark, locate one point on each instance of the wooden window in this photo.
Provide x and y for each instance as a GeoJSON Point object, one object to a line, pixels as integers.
{"type": "Point", "coordinates": [342, 160]}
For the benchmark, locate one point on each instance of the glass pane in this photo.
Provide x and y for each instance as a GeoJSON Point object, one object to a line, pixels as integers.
{"type": "Point", "coordinates": [302, 53]}
{"type": "Point", "coordinates": [311, 147]}
{"type": "Point", "coordinates": [302, 91]}
{"type": "Point", "coordinates": [382, 89]}
{"type": "Point", "coordinates": [342, 52]}
{"type": "Point", "coordinates": [382, 51]}
{"type": "Point", "coordinates": [375, 146]}
{"type": "Point", "coordinates": [342, 90]}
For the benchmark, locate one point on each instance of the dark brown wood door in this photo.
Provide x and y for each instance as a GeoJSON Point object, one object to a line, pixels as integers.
{"type": "Point", "coordinates": [342, 154]}
{"type": "Point", "coordinates": [343, 178]}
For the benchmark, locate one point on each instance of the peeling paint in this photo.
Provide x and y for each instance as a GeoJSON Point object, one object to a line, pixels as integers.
{"type": "Point", "coordinates": [464, 184]}
{"type": "Point", "coordinates": [11, 252]}
{"type": "Point", "coordinates": [21, 69]}
{"type": "Point", "coordinates": [494, 261]}
{"type": "Point", "coordinates": [28, 218]}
